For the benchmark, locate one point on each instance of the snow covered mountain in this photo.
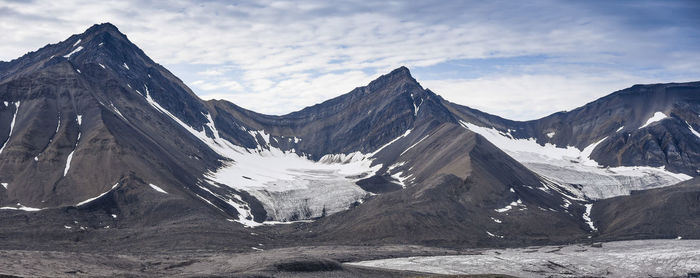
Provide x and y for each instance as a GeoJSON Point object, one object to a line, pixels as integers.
{"type": "Point", "coordinates": [93, 124]}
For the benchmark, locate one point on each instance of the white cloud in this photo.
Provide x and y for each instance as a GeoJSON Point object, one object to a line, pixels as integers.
{"type": "Point", "coordinates": [528, 97]}
{"type": "Point", "coordinates": [296, 93]}
{"type": "Point", "coordinates": [211, 72]}
{"type": "Point", "coordinates": [230, 85]}
{"type": "Point", "coordinates": [276, 56]}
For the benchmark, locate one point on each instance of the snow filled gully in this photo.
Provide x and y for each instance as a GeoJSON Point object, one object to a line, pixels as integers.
{"type": "Point", "coordinates": [12, 125]}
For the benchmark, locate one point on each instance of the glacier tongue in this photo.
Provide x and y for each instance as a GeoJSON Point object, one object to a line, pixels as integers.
{"type": "Point", "coordinates": [292, 187]}
{"type": "Point", "coordinates": [289, 185]}
{"type": "Point", "coordinates": [574, 170]}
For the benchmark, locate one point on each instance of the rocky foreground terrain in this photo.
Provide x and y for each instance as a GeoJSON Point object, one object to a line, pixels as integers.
{"type": "Point", "coordinates": [641, 258]}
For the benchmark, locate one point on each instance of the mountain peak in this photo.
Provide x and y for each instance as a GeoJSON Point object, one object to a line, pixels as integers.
{"type": "Point", "coordinates": [101, 28]}
{"type": "Point", "coordinates": [101, 32]}
{"type": "Point", "coordinates": [399, 75]}
{"type": "Point", "coordinates": [401, 71]}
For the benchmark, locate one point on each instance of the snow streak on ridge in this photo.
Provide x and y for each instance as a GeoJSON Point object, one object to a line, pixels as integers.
{"type": "Point", "coordinates": [12, 126]}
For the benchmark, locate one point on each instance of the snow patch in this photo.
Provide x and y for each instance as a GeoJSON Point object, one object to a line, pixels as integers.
{"type": "Point", "coordinates": [399, 176]}
{"type": "Point", "coordinates": [98, 196]}
{"type": "Point", "coordinates": [264, 135]}
{"type": "Point", "coordinates": [585, 156]}
{"type": "Point", "coordinates": [551, 134]}
{"type": "Point", "coordinates": [510, 206]}
{"type": "Point", "coordinates": [157, 188]}
{"type": "Point", "coordinates": [70, 158]}
{"type": "Point", "coordinates": [392, 141]}
{"type": "Point", "coordinates": [523, 149]}
{"type": "Point", "coordinates": [21, 207]}
{"type": "Point", "coordinates": [414, 144]}
{"type": "Point", "coordinates": [587, 217]}
{"type": "Point", "coordinates": [245, 215]}
{"type": "Point", "coordinates": [12, 125]}
{"type": "Point", "coordinates": [692, 129]}
{"type": "Point", "coordinates": [416, 108]}
{"type": "Point", "coordinates": [73, 52]}
{"type": "Point", "coordinates": [117, 111]}
{"type": "Point", "coordinates": [77, 42]}
{"type": "Point", "coordinates": [58, 124]}
{"type": "Point", "coordinates": [620, 129]}
{"type": "Point", "coordinates": [103, 66]}
{"type": "Point", "coordinates": [492, 235]}
{"type": "Point", "coordinates": [4, 184]}
{"type": "Point", "coordinates": [658, 116]}
{"type": "Point", "coordinates": [125, 66]}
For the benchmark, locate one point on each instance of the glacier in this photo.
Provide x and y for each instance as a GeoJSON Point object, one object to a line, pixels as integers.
{"type": "Point", "coordinates": [574, 170]}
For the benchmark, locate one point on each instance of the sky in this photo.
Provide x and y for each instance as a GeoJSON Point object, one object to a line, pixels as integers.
{"type": "Point", "coordinates": [517, 59]}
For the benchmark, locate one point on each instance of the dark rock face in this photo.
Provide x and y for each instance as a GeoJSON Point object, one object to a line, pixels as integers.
{"type": "Point", "coordinates": [84, 121]}
{"type": "Point", "coordinates": [669, 143]}
{"type": "Point", "coordinates": [361, 120]}
{"type": "Point", "coordinates": [94, 116]}
{"type": "Point", "coordinates": [618, 119]}
{"type": "Point", "coordinates": [658, 213]}
{"type": "Point", "coordinates": [448, 209]}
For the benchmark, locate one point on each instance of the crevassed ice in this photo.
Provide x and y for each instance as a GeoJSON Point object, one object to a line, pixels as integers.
{"type": "Point", "coordinates": [639, 258]}
{"type": "Point", "coordinates": [289, 185]}
{"type": "Point", "coordinates": [567, 166]}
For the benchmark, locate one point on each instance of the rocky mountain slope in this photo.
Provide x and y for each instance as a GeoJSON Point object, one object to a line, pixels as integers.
{"type": "Point", "coordinates": [93, 131]}
{"type": "Point", "coordinates": [638, 138]}
{"type": "Point", "coordinates": [670, 212]}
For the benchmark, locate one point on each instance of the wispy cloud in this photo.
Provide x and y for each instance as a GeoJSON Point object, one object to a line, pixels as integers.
{"type": "Point", "coordinates": [279, 56]}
